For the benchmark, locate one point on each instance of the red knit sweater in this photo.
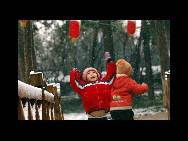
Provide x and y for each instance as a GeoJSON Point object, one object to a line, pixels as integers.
{"type": "Point", "coordinates": [124, 87]}
{"type": "Point", "coordinates": [95, 96]}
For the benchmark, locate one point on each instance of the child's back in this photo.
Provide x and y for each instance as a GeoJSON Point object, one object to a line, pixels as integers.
{"type": "Point", "coordinates": [122, 91]}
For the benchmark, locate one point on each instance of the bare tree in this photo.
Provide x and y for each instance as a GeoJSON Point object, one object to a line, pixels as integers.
{"type": "Point", "coordinates": [26, 52]}
{"type": "Point", "coordinates": [107, 35]}
{"type": "Point", "coordinates": [162, 31]}
{"type": "Point", "coordinates": [21, 67]}
{"type": "Point", "coordinates": [147, 56]}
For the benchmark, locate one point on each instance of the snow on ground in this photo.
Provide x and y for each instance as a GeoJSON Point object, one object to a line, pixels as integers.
{"type": "Point", "coordinates": [75, 116]}
{"type": "Point", "coordinates": [82, 116]}
{"type": "Point", "coordinates": [137, 113]}
{"type": "Point", "coordinates": [148, 111]}
{"type": "Point", "coordinates": [78, 116]}
{"type": "Point", "coordinates": [157, 116]}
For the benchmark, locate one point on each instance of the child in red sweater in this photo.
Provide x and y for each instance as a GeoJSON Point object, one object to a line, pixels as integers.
{"type": "Point", "coordinates": [122, 92]}
{"type": "Point", "coordinates": [94, 90]}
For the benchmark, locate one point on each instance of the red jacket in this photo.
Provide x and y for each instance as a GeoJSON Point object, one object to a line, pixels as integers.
{"type": "Point", "coordinates": [95, 96]}
{"type": "Point", "coordinates": [122, 92]}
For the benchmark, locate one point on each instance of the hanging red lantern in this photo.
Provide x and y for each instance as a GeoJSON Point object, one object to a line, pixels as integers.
{"type": "Point", "coordinates": [131, 27]}
{"type": "Point", "coordinates": [23, 23]}
{"type": "Point", "coordinates": [74, 29]}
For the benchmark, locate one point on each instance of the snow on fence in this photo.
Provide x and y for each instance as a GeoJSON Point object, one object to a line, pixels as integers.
{"type": "Point", "coordinates": [30, 99]}
{"type": "Point", "coordinates": [166, 92]}
{"type": "Point", "coordinates": [31, 92]}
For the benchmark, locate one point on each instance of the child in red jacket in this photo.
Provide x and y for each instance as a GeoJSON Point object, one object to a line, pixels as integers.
{"type": "Point", "coordinates": [94, 90]}
{"type": "Point", "coordinates": [122, 92]}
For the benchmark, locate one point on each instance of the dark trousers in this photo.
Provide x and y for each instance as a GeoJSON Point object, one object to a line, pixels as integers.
{"type": "Point", "coordinates": [122, 114]}
{"type": "Point", "coordinates": [102, 118]}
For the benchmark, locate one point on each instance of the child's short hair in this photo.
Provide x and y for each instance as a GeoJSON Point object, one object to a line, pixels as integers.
{"type": "Point", "coordinates": [123, 67]}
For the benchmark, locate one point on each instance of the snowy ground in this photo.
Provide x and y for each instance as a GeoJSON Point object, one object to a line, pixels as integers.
{"type": "Point", "coordinates": [75, 116]}
{"type": "Point", "coordinates": [138, 113]}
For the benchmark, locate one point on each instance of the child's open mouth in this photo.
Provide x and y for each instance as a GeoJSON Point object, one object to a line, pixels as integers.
{"type": "Point", "coordinates": [93, 77]}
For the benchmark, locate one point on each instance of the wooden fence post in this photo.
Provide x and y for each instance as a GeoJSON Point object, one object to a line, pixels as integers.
{"type": "Point", "coordinates": [52, 111]}
{"type": "Point", "coordinates": [44, 102]}
{"type": "Point", "coordinates": [36, 79]}
{"type": "Point", "coordinates": [20, 110]}
{"type": "Point", "coordinates": [47, 110]}
{"type": "Point", "coordinates": [56, 104]}
{"type": "Point", "coordinates": [56, 110]}
{"type": "Point", "coordinates": [43, 105]}
{"type": "Point", "coordinates": [37, 111]}
{"type": "Point", "coordinates": [30, 115]}
{"type": "Point", "coordinates": [61, 111]}
{"type": "Point", "coordinates": [50, 90]}
{"type": "Point", "coordinates": [38, 105]}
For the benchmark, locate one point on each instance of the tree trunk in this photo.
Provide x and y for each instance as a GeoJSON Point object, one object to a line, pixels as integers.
{"type": "Point", "coordinates": [132, 51]}
{"type": "Point", "coordinates": [27, 51]}
{"type": "Point", "coordinates": [162, 45]}
{"type": "Point", "coordinates": [34, 63]}
{"type": "Point", "coordinates": [147, 58]}
{"type": "Point", "coordinates": [108, 38]}
{"type": "Point", "coordinates": [21, 68]}
{"type": "Point", "coordinates": [136, 73]}
{"type": "Point", "coordinates": [93, 50]}
{"type": "Point", "coordinates": [125, 44]}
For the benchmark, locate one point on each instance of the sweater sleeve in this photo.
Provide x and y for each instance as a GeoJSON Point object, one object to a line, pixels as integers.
{"type": "Point", "coordinates": [110, 69]}
{"type": "Point", "coordinates": [138, 89]}
{"type": "Point", "coordinates": [75, 81]}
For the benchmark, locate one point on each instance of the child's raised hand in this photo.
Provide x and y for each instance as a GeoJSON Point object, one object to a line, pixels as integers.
{"type": "Point", "coordinates": [74, 69]}
{"type": "Point", "coordinates": [145, 85]}
{"type": "Point", "coordinates": [106, 56]}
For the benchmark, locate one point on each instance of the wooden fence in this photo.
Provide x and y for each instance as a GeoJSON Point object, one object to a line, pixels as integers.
{"type": "Point", "coordinates": [38, 100]}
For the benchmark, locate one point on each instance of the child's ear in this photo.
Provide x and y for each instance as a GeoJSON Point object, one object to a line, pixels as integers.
{"type": "Point", "coordinates": [131, 74]}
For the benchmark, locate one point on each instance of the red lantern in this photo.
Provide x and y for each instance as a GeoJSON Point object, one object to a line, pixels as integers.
{"type": "Point", "coordinates": [131, 27]}
{"type": "Point", "coordinates": [74, 29]}
{"type": "Point", "coordinates": [23, 23]}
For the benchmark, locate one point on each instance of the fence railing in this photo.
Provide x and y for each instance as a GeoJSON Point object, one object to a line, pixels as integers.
{"type": "Point", "coordinates": [38, 100]}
